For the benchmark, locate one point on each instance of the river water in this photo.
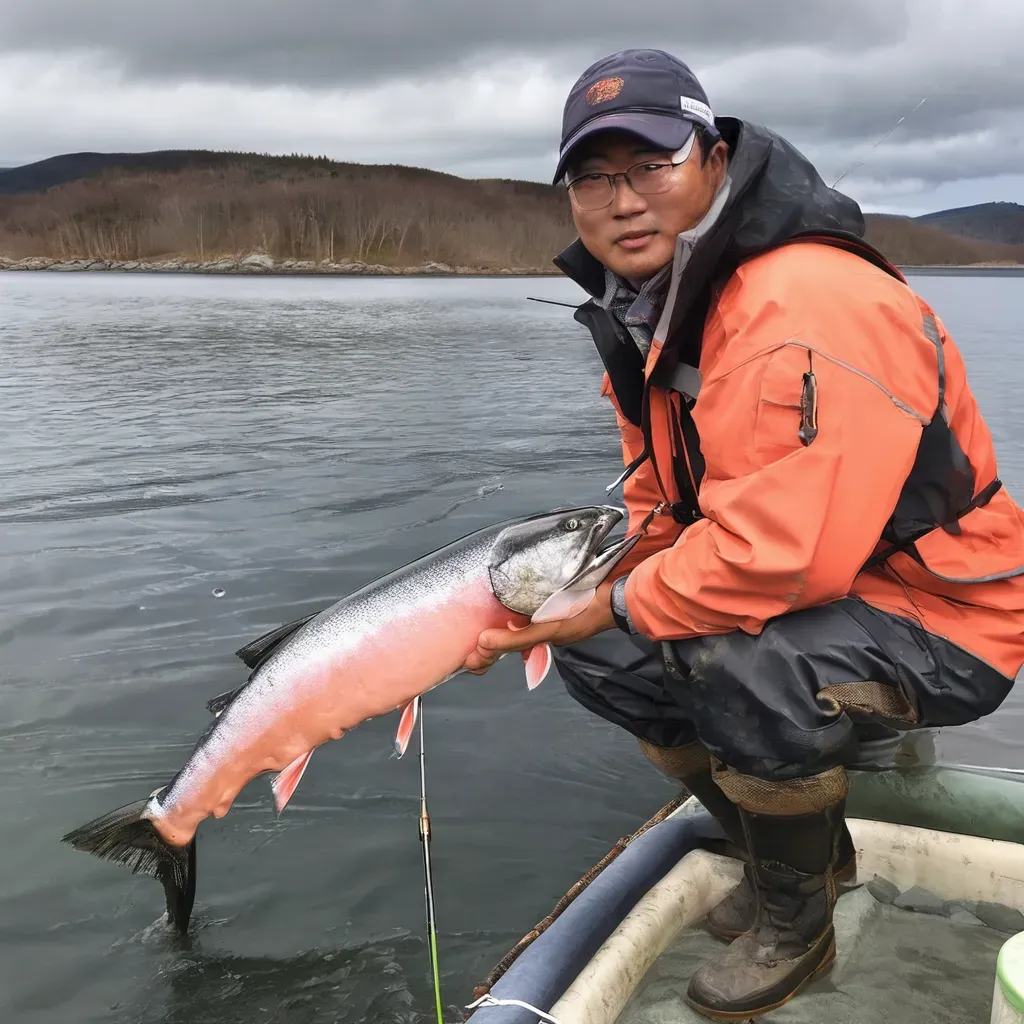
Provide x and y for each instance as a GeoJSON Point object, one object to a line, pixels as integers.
{"type": "Point", "coordinates": [286, 440]}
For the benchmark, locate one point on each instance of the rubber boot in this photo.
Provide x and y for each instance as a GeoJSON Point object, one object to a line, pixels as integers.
{"type": "Point", "coordinates": [690, 766]}
{"type": "Point", "coordinates": [703, 786]}
{"type": "Point", "coordinates": [792, 938]}
{"type": "Point", "coordinates": [735, 914]}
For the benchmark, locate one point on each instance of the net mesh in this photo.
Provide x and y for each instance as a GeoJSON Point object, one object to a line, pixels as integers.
{"type": "Point", "coordinates": [676, 762]}
{"type": "Point", "coordinates": [870, 699]}
{"type": "Point", "coordinates": [788, 797]}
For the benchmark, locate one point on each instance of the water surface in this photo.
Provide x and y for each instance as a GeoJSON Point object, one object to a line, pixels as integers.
{"type": "Point", "coordinates": [287, 440]}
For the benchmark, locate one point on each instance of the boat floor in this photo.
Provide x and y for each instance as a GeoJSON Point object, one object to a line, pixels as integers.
{"type": "Point", "coordinates": [892, 964]}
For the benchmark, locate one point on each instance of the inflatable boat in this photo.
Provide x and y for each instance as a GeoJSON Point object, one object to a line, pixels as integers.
{"type": "Point", "coordinates": [933, 931]}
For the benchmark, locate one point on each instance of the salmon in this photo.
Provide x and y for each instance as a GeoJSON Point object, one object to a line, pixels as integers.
{"type": "Point", "coordinates": [375, 651]}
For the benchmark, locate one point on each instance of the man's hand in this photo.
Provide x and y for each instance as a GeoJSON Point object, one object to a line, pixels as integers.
{"type": "Point", "coordinates": [493, 643]}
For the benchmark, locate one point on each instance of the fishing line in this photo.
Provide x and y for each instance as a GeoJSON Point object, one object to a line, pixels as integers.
{"type": "Point", "coordinates": [877, 144]}
{"type": "Point", "coordinates": [428, 887]}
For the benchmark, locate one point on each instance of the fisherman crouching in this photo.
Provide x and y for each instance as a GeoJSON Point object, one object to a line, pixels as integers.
{"type": "Point", "coordinates": [835, 559]}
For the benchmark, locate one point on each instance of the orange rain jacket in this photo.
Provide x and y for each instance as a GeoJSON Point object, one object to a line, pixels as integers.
{"type": "Point", "coordinates": [788, 523]}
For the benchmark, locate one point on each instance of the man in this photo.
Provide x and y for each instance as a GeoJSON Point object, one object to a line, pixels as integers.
{"type": "Point", "coordinates": [832, 557]}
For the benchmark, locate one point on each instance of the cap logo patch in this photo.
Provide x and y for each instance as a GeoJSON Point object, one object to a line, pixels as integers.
{"type": "Point", "coordinates": [698, 109]}
{"type": "Point", "coordinates": [606, 89]}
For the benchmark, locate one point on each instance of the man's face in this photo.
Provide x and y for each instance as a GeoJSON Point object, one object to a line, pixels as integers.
{"type": "Point", "coordinates": [635, 235]}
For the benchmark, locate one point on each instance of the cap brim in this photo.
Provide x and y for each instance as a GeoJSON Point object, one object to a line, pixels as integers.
{"type": "Point", "coordinates": [661, 130]}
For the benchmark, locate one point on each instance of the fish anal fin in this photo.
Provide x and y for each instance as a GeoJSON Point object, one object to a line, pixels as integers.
{"type": "Point", "coordinates": [254, 653]}
{"type": "Point", "coordinates": [217, 705]}
{"type": "Point", "coordinates": [538, 663]}
{"type": "Point", "coordinates": [406, 725]}
{"type": "Point", "coordinates": [285, 781]}
{"type": "Point", "coordinates": [564, 605]}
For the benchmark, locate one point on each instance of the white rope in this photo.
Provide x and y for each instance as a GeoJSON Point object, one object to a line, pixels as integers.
{"type": "Point", "coordinates": [489, 1000]}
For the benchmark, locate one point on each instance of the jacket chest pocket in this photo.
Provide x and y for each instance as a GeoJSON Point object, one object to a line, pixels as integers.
{"type": "Point", "coordinates": [787, 404]}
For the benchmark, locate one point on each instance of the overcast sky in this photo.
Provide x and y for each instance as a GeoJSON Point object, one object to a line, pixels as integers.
{"type": "Point", "coordinates": [476, 87]}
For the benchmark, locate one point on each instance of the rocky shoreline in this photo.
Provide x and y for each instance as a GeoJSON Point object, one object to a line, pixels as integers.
{"type": "Point", "coordinates": [260, 263]}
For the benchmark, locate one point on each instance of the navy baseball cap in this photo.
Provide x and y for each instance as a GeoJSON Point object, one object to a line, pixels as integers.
{"type": "Point", "coordinates": [647, 92]}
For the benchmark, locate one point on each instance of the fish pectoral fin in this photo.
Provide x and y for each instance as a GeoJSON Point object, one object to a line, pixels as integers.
{"type": "Point", "coordinates": [538, 664]}
{"type": "Point", "coordinates": [406, 725]}
{"type": "Point", "coordinates": [254, 653]}
{"type": "Point", "coordinates": [285, 781]}
{"type": "Point", "coordinates": [217, 705]}
{"type": "Point", "coordinates": [564, 605]}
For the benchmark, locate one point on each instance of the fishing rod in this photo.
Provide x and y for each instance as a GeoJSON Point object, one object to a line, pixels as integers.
{"type": "Point", "coordinates": [428, 886]}
{"type": "Point", "coordinates": [877, 144]}
{"type": "Point", "coordinates": [553, 302]}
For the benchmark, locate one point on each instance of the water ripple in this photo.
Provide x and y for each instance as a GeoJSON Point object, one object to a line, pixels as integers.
{"type": "Point", "coordinates": [286, 441]}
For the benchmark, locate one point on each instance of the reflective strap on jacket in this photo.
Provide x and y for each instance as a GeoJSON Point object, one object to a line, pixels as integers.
{"type": "Point", "coordinates": [940, 488]}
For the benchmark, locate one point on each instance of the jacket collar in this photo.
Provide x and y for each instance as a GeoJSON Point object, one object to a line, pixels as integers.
{"type": "Point", "coordinates": [578, 265]}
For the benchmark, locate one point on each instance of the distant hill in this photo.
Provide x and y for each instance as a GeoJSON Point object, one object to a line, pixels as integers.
{"type": "Point", "coordinates": [992, 222]}
{"type": "Point", "coordinates": [200, 204]}
{"type": "Point", "coordinates": [907, 241]}
{"type": "Point", "coordinates": [60, 170]}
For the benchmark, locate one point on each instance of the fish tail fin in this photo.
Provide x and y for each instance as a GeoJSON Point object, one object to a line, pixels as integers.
{"type": "Point", "coordinates": [127, 837]}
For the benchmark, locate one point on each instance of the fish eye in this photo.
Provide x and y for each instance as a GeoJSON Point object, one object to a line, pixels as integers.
{"type": "Point", "coordinates": [572, 524]}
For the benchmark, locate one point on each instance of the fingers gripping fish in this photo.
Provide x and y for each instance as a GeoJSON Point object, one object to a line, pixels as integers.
{"type": "Point", "coordinates": [370, 653]}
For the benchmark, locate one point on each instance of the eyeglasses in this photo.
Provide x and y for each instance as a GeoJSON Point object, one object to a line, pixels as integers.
{"type": "Point", "coordinates": [595, 191]}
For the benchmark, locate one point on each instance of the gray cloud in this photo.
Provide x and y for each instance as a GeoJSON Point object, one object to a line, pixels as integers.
{"type": "Point", "coordinates": [476, 86]}
{"type": "Point", "coordinates": [318, 42]}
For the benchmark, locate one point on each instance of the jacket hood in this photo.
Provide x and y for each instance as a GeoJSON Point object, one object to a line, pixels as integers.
{"type": "Point", "coordinates": [775, 195]}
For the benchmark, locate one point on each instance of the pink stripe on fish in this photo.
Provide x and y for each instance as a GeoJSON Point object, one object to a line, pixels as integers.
{"type": "Point", "coordinates": [345, 673]}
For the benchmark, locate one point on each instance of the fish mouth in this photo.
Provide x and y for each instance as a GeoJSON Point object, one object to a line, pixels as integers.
{"type": "Point", "coordinates": [609, 518]}
{"type": "Point", "coordinates": [603, 553]}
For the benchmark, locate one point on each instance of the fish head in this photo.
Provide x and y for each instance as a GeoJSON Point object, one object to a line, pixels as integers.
{"type": "Point", "coordinates": [535, 558]}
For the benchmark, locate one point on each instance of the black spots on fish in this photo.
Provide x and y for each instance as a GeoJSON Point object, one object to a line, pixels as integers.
{"type": "Point", "coordinates": [256, 652]}
{"type": "Point", "coordinates": [210, 729]}
{"type": "Point", "coordinates": [124, 836]}
{"type": "Point", "coordinates": [254, 655]}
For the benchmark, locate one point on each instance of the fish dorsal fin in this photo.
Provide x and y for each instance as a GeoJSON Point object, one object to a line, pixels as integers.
{"type": "Point", "coordinates": [217, 705]}
{"type": "Point", "coordinates": [256, 652]}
